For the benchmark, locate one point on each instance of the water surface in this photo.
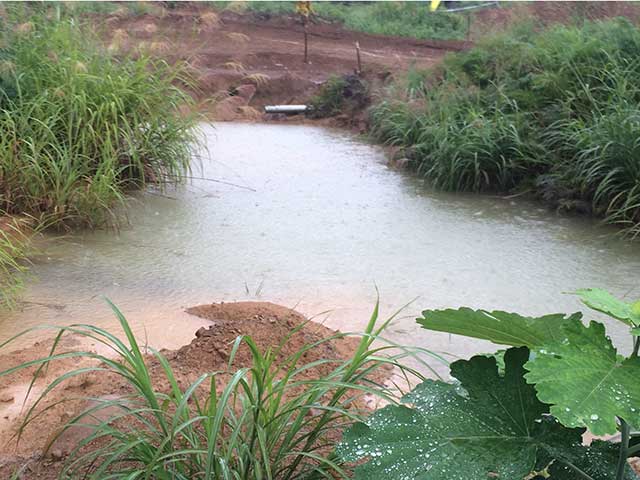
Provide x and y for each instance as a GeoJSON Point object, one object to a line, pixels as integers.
{"type": "Point", "coordinates": [321, 222]}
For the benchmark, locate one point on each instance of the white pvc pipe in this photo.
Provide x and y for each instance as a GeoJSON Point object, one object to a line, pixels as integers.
{"type": "Point", "coordinates": [285, 108]}
{"type": "Point", "coordinates": [472, 7]}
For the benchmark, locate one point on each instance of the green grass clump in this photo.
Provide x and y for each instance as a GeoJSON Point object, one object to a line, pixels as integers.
{"type": "Point", "coordinates": [554, 111]}
{"type": "Point", "coordinates": [339, 95]}
{"type": "Point", "coordinates": [330, 98]}
{"type": "Point", "coordinates": [268, 420]}
{"type": "Point", "coordinates": [405, 19]}
{"type": "Point", "coordinates": [79, 127]}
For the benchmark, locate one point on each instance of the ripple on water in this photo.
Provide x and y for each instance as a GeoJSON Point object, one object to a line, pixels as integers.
{"type": "Point", "coordinates": [326, 224]}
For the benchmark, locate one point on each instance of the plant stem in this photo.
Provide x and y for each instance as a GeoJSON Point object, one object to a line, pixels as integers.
{"type": "Point", "coordinates": [636, 346]}
{"type": "Point", "coordinates": [633, 450]}
{"type": "Point", "coordinates": [580, 473]}
{"type": "Point", "coordinates": [624, 449]}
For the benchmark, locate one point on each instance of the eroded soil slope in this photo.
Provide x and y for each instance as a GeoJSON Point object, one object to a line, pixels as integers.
{"type": "Point", "coordinates": [264, 55]}
{"type": "Point", "coordinates": [225, 50]}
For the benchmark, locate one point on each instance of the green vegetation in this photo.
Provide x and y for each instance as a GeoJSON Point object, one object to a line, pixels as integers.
{"type": "Point", "coordinates": [555, 112]}
{"type": "Point", "coordinates": [15, 241]}
{"type": "Point", "coordinates": [266, 421]}
{"type": "Point", "coordinates": [521, 417]}
{"type": "Point", "coordinates": [100, 8]}
{"type": "Point", "coordinates": [78, 128]}
{"type": "Point", "coordinates": [406, 19]}
{"type": "Point", "coordinates": [344, 94]}
{"type": "Point", "coordinates": [329, 99]}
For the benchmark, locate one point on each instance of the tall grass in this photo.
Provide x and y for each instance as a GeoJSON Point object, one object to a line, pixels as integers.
{"type": "Point", "coordinates": [265, 421]}
{"type": "Point", "coordinates": [554, 111]}
{"type": "Point", "coordinates": [79, 127]}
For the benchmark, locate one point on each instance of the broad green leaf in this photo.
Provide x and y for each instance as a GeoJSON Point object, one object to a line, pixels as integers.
{"type": "Point", "coordinates": [499, 356]}
{"type": "Point", "coordinates": [584, 379]}
{"type": "Point", "coordinates": [489, 426]}
{"type": "Point", "coordinates": [635, 312]}
{"type": "Point", "coordinates": [503, 328]}
{"type": "Point", "coordinates": [599, 460]}
{"type": "Point", "coordinates": [604, 302]}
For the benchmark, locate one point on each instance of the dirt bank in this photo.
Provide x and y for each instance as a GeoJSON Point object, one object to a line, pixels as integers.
{"type": "Point", "coordinates": [268, 325]}
{"type": "Point", "coordinates": [227, 49]}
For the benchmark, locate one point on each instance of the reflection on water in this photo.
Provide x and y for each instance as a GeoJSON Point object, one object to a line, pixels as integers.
{"type": "Point", "coordinates": [321, 224]}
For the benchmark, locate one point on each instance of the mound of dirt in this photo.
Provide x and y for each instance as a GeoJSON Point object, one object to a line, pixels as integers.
{"type": "Point", "coordinates": [269, 325]}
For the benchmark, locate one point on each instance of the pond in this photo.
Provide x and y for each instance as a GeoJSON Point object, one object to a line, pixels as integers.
{"type": "Point", "coordinates": [314, 219]}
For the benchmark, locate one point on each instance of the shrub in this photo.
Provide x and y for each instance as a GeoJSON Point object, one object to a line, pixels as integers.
{"type": "Point", "coordinates": [329, 99]}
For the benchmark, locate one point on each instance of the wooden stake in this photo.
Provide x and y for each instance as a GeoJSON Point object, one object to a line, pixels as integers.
{"type": "Point", "coordinates": [306, 50]}
{"type": "Point", "coordinates": [305, 11]}
{"type": "Point", "coordinates": [359, 71]}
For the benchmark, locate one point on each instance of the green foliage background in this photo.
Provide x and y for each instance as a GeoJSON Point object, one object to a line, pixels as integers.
{"type": "Point", "coordinates": [398, 18]}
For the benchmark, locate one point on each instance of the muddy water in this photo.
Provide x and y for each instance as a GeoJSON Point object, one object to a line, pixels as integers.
{"type": "Point", "coordinates": [320, 223]}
